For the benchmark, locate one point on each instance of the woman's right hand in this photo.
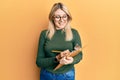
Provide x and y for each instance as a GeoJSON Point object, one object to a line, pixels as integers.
{"type": "Point", "coordinates": [62, 54]}
{"type": "Point", "coordinates": [65, 53]}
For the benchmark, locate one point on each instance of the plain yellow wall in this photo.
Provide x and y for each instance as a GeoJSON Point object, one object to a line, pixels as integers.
{"type": "Point", "coordinates": [98, 22]}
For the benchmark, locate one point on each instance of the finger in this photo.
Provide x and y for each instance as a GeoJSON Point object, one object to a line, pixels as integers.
{"type": "Point", "coordinates": [68, 58]}
{"type": "Point", "coordinates": [63, 54]}
{"type": "Point", "coordinates": [67, 51]}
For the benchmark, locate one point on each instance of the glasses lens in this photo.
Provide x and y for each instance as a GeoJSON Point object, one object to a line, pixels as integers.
{"type": "Point", "coordinates": [60, 17]}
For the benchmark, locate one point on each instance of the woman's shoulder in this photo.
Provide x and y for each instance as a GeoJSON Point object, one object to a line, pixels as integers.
{"type": "Point", "coordinates": [44, 31]}
{"type": "Point", "coordinates": [74, 30]}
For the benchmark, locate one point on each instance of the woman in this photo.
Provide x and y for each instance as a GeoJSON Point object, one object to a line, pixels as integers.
{"type": "Point", "coordinates": [58, 36]}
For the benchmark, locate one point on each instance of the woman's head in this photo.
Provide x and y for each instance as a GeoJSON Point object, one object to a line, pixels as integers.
{"type": "Point", "coordinates": [59, 16]}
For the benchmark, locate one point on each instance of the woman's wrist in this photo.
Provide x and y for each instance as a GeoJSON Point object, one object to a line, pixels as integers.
{"type": "Point", "coordinates": [58, 57]}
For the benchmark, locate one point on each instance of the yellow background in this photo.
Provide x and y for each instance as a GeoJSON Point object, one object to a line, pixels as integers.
{"type": "Point", "coordinates": [98, 22]}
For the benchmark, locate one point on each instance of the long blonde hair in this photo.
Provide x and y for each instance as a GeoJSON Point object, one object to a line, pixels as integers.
{"type": "Point", "coordinates": [51, 26]}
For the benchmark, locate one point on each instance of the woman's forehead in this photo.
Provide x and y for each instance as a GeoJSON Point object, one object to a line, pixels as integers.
{"type": "Point", "coordinates": [59, 12]}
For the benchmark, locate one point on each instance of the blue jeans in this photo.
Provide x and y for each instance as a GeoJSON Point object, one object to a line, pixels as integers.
{"type": "Point", "coordinates": [45, 75]}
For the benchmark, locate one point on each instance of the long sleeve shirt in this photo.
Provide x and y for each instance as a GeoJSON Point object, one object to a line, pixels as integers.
{"type": "Point", "coordinates": [46, 58]}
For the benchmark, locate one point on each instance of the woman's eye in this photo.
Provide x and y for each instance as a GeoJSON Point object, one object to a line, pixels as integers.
{"type": "Point", "coordinates": [57, 17]}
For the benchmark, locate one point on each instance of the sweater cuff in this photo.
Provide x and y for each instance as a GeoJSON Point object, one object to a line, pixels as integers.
{"type": "Point", "coordinates": [55, 60]}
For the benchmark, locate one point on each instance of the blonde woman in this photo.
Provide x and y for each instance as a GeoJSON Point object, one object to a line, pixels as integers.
{"type": "Point", "coordinates": [59, 36]}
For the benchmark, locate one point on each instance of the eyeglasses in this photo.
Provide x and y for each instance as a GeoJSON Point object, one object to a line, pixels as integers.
{"type": "Point", "coordinates": [58, 17]}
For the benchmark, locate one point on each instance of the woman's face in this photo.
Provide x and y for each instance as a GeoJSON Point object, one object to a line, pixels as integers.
{"type": "Point", "coordinates": [60, 19]}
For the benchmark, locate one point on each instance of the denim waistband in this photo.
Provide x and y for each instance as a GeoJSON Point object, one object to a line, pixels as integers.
{"type": "Point", "coordinates": [46, 75]}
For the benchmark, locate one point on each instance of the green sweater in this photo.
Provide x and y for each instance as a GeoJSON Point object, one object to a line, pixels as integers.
{"type": "Point", "coordinates": [46, 58]}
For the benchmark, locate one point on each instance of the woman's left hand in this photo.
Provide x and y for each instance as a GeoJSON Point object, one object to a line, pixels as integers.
{"type": "Point", "coordinates": [66, 60]}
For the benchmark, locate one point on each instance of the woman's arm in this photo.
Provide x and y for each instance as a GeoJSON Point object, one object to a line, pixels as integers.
{"type": "Point", "coordinates": [77, 41]}
{"type": "Point", "coordinates": [41, 60]}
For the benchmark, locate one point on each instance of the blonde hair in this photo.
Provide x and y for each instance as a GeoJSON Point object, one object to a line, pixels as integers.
{"type": "Point", "coordinates": [51, 26]}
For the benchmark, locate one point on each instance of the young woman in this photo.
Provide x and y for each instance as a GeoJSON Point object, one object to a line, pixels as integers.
{"type": "Point", "coordinates": [59, 36]}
